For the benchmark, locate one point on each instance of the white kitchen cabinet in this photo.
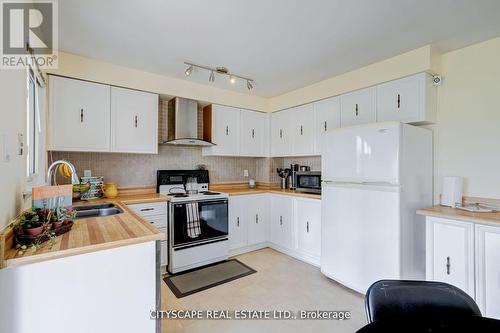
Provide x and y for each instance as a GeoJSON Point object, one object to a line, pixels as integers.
{"type": "Point", "coordinates": [302, 129]}
{"type": "Point", "coordinates": [134, 121]}
{"type": "Point", "coordinates": [308, 223]}
{"type": "Point", "coordinates": [409, 100]}
{"type": "Point", "coordinates": [488, 270]}
{"type": "Point", "coordinates": [225, 131]}
{"type": "Point", "coordinates": [327, 117]}
{"type": "Point", "coordinates": [281, 221]}
{"type": "Point", "coordinates": [358, 107]}
{"type": "Point", "coordinates": [280, 133]}
{"type": "Point", "coordinates": [79, 115]}
{"type": "Point", "coordinates": [156, 214]}
{"type": "Point", "coordinates": [253, 133]}
{"type": "Point", "coordinates": [238, 233]}
{"type": "Point", "coordinates": [257, 218]}
{"type": "Point", "coordinates": [450, 253]}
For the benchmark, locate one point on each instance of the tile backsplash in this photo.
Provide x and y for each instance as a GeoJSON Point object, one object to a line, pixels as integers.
{"type": "Point", "coordinates": [140, 170]}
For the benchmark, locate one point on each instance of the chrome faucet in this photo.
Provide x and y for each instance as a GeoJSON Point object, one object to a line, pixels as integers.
{"type": "Point", "coordinates": [55, 166]}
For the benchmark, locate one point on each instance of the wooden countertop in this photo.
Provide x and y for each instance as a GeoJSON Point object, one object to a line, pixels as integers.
{"type": "Point", "coordinates": [461, 215]}
{"type": "Point", "coordinates": [244, 190]}
{"type": "Point", "coordinates": [92, 234]}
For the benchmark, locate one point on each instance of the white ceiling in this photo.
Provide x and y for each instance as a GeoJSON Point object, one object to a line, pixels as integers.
{"type": "Point", "coordinates": [282, 44]}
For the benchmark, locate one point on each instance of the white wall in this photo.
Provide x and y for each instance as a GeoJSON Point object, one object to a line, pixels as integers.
{"type": "Point", "coordinates": [467, 133]}
{"type": "Point", "coordinates": [12, 122]}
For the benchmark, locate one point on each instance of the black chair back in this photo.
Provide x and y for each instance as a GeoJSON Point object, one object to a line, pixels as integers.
{"type": "Point", "coordinates": [400, 300]}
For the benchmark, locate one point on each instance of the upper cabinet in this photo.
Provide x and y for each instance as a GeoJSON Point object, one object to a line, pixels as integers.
{"type": "Point", "coordinates": [92, 117]}
{"type": "Point", "coordinates": [409, 100]}
{"type": "Point", "coordinates": [253, 133]}
{"type": "Point", "coordinates": [134, 119]}
{"type": "Point", "coordinates": [280, 133]}
{"type": "Point", "coordinates": [358, 107]}
{"type": "Point", "coordinates": [327, 117]}
{"type": "Point", "coordinates": [302, 129]}
{"type": "Point", "coordinates": [79, 115]}
{"type": "Point", "coordinates": [235, 132]}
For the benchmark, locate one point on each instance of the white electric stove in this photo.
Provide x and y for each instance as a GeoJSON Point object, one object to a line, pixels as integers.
{"type": "Point", "coordinates": [197, 223]}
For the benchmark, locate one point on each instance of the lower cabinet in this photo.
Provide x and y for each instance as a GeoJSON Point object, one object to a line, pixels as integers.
{"type": "Point", "coordinates": [288, 224]}
{"type": "Point", "coordinates": [308, 223]}
{"type": "Point", "coordinates": [466, 255]}
{"type": "Point", "coordinates": [450, 248]}
{"type": "Point", "coordinates": [488, 270]}
{"type": "Point", "coordinates": [248, 221]}
{"type": "Point", "coordinates": [156, 214]}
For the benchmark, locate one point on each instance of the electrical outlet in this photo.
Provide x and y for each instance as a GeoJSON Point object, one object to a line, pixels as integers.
{"type": "Point", "coordinates": [87, 173]}
{"type": "Point", "coordinates": [245, 173]}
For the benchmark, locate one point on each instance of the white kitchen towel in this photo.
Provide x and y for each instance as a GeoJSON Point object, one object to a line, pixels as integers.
{"type": "Point", "coordinates": [193, 220]}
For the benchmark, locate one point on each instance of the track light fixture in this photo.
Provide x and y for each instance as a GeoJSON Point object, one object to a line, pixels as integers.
{"type": "Point", "coordinates": [221, 71]}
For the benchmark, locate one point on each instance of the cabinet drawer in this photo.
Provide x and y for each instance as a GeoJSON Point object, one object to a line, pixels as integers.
{"type": "Point", "coordinates": [149, 209]}
{"type": "Point", "coordinates": [159, 222]}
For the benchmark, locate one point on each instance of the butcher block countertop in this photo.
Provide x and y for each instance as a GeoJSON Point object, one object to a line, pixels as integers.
{"type": "Point", "coordinates": [244, 190]}
{"type": "Point", "coordinates": [462, 215]}
{"type": "Point", "coordinates": [91, 234]}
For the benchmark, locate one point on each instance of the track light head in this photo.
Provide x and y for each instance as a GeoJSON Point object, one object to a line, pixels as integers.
{"type": "Point", "coordinates": [232, 79]}
{"type": "Point", "coordinates": [189, 70]}
{"type": "Point", "coordinates": [211, 78]}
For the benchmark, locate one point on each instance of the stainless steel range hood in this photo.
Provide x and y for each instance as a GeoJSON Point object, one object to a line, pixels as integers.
{"type": "Point", "coordinates": [183, 121]}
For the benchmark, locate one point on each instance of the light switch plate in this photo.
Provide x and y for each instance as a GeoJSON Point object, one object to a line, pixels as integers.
{"type": "Point", "coordinates": [245, 173]}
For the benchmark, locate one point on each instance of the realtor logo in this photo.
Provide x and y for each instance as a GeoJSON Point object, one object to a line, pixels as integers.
{"type": "Point", "coordinates": [29, 33]}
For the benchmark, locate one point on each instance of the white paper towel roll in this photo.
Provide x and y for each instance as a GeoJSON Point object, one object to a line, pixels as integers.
{"type": "Point", "coordinates": [451, 195]}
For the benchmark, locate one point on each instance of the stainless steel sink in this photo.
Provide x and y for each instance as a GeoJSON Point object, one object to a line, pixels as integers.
{"type": "Point", "coordinates": [97, 210]}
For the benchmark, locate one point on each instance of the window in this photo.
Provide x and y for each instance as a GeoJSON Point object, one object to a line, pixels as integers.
{"type": "Point", "coordinates": [35, 149]}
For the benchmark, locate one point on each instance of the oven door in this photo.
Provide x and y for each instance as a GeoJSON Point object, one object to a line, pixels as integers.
{"type": "Point", "coordinates": [210, 224]}
{"type": "Point", "coordinates": [309, 182]}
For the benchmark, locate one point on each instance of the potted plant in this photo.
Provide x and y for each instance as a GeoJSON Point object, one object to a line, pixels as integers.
{"type": "Point", "coordinates": [62, 216]}
{"type": "Point", "coordinates": [31, 222]}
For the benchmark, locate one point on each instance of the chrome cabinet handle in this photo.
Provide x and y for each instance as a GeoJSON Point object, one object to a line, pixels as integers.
{"type": "Point", "coordinates": [253, 133]}
{"type": "Point", "coordinates": [227, 130]}
{"type": "Point", "coordinates": [135, 122]}
{"type": "Point", "coordinates": [399, 101]}
{"type": "Point", "coordinates": [357, 110]}
{"type": "Point", "coordinates": [307, 226]}
{"type": "Point", "coordinates": [81, 115]}
{"type": "Point", "coordinates": [257, 218]}
{"type": "Point", "coordinates": [448, 265]}
{"type": "Point", "coordinates": [325, 127]}
{"type": "Point", "coordinates": [301, 130]}
{"type": "Point", "coordinates": [146, 209]}
{"type": "Point", "coordinates": [281, 133]}
{"type": "Point", "coordinates": [238, 221]}
{"type": "Point", "coordinates": [281, 220]}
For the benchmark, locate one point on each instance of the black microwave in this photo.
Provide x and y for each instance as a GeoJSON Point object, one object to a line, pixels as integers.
{"type": "Point", "coordinates": [309, 181]}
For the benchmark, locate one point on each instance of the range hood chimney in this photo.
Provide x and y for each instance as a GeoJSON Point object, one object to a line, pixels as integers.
{"type": "Point", "coordinates": [183, 123]}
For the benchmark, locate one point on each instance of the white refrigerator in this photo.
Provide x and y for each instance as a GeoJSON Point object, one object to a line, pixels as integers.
{"type": "Point", "coordinates": [375, 176]}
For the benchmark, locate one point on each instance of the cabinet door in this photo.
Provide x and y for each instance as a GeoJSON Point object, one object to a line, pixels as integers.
{"type": "Point", "coordinates": [358, 107]}
{"type": "Point", "coordinates": [280, 142]}
{"type": "Point", "coordinates": [450, 256]}
{"type": "Point", "coordinates": [79, 115]}
{"type": "Point", "coordinates": [134, 121]}
{"type": "Point", "coordinates": [488, 270]}
{"type": "Point", "coordinates": [401, 100]}
{"type": "Point", "coordinates": [258, 226]}
{"type": "Point", "coordinates": [237, 224]}
{"type": "Point", "coordinates": [327, 117]}
{"type": "Point", "coordinates": [225, 131]}
{"type": "Point", "coordinates": [281, 221]}
{"type": "Point", "coordinates": [302, 129]}
{"type": "Point", "coordinates": [308, 214]}
{"type": "Point", "coordinates": [253, 133]}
